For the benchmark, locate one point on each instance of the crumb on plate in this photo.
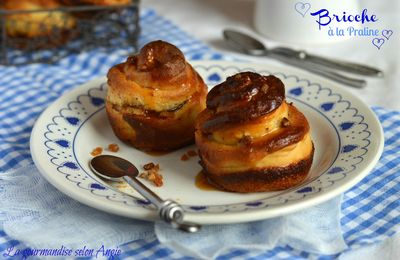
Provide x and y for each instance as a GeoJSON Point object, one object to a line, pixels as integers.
{"type": "Point", "coordinates": [184, 157]}
{"type": "Point", "coordinates": [191, 153]}
{"type": "Point", "coordinates": [188, 154]}
{"type": "Point", "coordinates": [152, 174]}
{"type": "Point", "coordinates": [150, 166]}
{"type": "Point", "coordinates": [96, 151]}
{"type": "Point", "coordinates": [113, 148]}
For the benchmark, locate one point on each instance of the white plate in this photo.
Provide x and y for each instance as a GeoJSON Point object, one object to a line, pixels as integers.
{"type": "Point", "coordinates": [347, 136]}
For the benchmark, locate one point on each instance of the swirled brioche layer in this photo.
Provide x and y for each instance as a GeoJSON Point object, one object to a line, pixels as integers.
{"type": "Point", "coordinates": [154, 98]}
{"type": "Point", "coordinates": [265, 146]}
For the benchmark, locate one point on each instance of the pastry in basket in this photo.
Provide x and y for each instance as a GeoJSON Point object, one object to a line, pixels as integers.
{"type": "Point", "coordinates": [154, 97]}
{"type": "Point", "coordinates": [96, 2]}
{"type": "Point", "coordinates": [102, 11]}
{"type": "Point", "coordinates": [54, 24]}
{"type": "Point", "coordinates": [250, 139]}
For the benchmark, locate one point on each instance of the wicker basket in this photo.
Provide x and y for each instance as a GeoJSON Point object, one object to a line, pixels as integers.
{"type": "Point", "coordinates": [66, 30]}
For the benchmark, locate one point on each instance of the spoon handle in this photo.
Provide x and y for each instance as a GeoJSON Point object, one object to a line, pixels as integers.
{"type": "Point", "coordinates": [144, 191]}
{"type": "Point", "coordinates": [357, 83]}
{"type": "Point", "coordinates": [168, 210]}
{"type": "Point", "coordinates": [346, 66]}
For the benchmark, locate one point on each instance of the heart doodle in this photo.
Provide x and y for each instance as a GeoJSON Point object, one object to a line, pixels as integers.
{"type": "Point", "coordinates": [302, 8]}
{"type": "Point", "coordinates": [387, 33]}
{"type": "Point", "coordinates": [378, 42]}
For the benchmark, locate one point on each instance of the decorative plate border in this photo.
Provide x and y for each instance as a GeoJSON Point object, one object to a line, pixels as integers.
{"type": "Point", "coordinates": [75, 114]}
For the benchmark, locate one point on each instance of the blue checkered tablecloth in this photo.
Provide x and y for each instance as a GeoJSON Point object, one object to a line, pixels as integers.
{"type": "Point", "coordinates": [370, 210]}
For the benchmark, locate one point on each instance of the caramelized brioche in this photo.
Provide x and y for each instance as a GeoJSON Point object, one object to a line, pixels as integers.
{"type": "Point", "coordinates": [154, 98]}
{"type": "Point", "coordinates": [250, 139]}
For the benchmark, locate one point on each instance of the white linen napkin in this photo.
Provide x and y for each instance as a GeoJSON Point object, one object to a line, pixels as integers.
{"type": "Point", "coordinates": [314, 230]}
{"type": "Point", "coordinates": [37, 214]}
{"type": "Point", "coordinates": [40, 216]}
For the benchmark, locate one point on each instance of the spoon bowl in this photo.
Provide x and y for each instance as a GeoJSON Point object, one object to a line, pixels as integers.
{"type": "Point", "coordinates": [112, 167]}
{"type": "Point", "coordinates": [245, 43]}
{"type": "Point", "coordinates": [116, 169]}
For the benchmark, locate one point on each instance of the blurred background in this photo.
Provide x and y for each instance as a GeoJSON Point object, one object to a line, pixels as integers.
{"type": "Point", "coordinates": [30, 34]}
{"type": "Point", "coordinates": [205, 20]}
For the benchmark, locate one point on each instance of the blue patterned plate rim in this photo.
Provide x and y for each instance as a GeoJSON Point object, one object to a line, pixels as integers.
{"type": "Point", "coordinates": [347, 135]}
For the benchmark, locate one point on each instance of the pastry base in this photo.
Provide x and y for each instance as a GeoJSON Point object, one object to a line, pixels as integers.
{"type": "Point", "coordinates": [152, 133]}
{"type": "Point", "coordinates": [261, 180]}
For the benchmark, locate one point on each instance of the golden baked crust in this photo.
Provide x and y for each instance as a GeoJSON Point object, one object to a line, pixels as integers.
{"type": "Point", "coordinates": [250, 139]}
{"type": "Point", "coordinates": [154, 98]}
{"type": "Point", "coordinates": [36, 24]}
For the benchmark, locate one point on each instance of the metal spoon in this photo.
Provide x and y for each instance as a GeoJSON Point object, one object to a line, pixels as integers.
{"type": "Point", "coordinates": [252, 46]}
{"type": "Point", "coordinates": [114, 168]}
